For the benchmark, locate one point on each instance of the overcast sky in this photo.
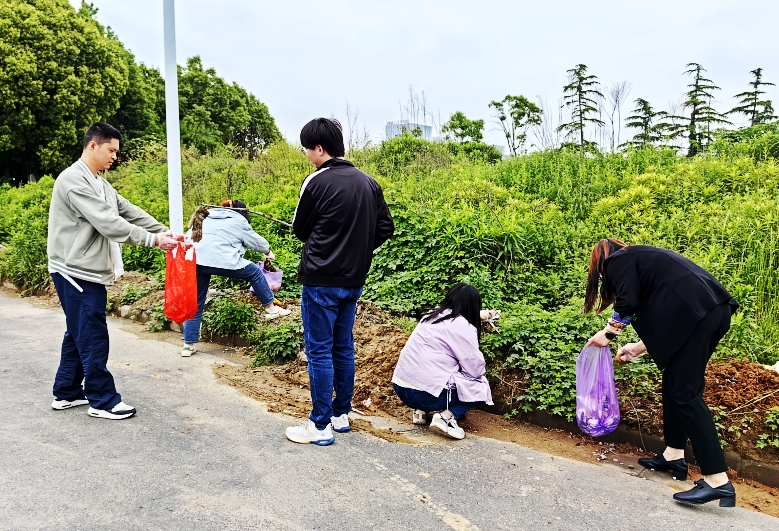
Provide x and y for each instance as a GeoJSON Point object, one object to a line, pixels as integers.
{"type": "Point", "coordinates": [306, 59]}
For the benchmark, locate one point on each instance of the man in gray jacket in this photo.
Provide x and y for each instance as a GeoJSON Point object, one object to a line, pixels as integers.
{"type": "Point", "coordinates": [88, 220]}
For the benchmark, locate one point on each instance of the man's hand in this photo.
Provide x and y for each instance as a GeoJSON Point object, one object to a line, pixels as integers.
{"type": "Point", "coordinates": [599, 340]}
{"type": "Point", "coordinates": [167, 241]}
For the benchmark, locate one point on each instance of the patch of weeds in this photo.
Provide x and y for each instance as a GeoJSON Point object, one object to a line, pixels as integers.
{"type": "Point", "coordinates": [279, 342]}
{"type": "Point", "coordinates": [131, 294]}
{"type": "Point", "coordinates": [110, 302]}
{"type": "Point", "coordinates": [158, 320]}
{"type": "Point", "coordinates": [231, 319]}
{"type": "Point", "coordinates": [404, 323]}
{"type": "Point", "coordinates": [771, 439]}
{"type": "Point", "coordinates": [638, 379]}
{"type": "Point", "coordinates": [730, 423]}
{"type": "Point", "coordinates": [719, 414]}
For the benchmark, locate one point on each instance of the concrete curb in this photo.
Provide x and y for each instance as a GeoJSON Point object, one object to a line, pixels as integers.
{"type": "Point", "coordinates": [765, 473]}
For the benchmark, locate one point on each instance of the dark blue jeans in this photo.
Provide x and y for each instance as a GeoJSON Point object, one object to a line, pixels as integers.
{"type": "Point", "coordinates": [427, 402]}
{"type": "Point", "coordinates": [251, 272]}
{"type": "Point", "coordinates": [328, 319]}
{"type": "Point", "coordinates": [85, 346]}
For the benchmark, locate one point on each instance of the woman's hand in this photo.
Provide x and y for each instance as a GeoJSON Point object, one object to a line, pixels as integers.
{"type": "Point", "coordinates": [630, 352]}
{"type": "Point", "coordinates": [599, 340]}
{"type": "Point", "coordinates": [270, 256]}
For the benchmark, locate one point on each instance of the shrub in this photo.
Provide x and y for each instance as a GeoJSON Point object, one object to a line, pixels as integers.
{"type": "Point", "coordinates": [25, 262]}
{"type": "Point", "coordinates": [231, 319]}
{"type": "Point", "coordinates": [279, 342]}
{"type": "Point", "coordinates": [148, 260]}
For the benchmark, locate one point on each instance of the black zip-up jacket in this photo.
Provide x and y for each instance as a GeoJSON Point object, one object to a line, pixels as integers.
{"type": "Point", "coordinates": [666, 293]}
{"type": "Point", "coordinates": [342, 217]}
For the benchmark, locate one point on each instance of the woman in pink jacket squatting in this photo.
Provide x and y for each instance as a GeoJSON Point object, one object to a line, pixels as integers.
{"type": "Point", "coordinates": [441, 368]}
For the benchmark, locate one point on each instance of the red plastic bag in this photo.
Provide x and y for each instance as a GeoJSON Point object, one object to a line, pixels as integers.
{"type": "Point", "coordinates": [180, 285]}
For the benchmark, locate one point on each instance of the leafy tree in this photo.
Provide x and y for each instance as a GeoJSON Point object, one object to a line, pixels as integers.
{"type": "Point", "coordinates": [515, 115]}
{"type": "Point", "coordinates": [646, 120]}
{"type": "Point", "coordinates": [141, 112]}
{"type": "Point", "coordinates": [463, 129]}
{"type": "Point", "coordinates": [580, 95]}
{"type": "Point", "coordinates": [759, 111]}
{"type": "Point", "coordinates": [697, 127]}
{"type": "Point", "coordinates": [59, 72]}
{"type": "Point", "coordinates": [214, 112]}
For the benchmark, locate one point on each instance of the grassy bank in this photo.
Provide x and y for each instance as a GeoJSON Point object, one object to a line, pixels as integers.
{"type": "Point", "coordinates": [519, 229]}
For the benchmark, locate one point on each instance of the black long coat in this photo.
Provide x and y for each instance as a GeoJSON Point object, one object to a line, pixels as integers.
{"type": "Point", "coordinates": [666, 293]}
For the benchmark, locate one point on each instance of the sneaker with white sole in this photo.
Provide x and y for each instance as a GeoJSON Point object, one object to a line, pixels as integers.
{"type": "Point", "coordinates": [118, 412]}
{"type": "Point", "coordinates": [447, 426]}
{"type": "Point", "coordinates": [275, 311]}
{"type": "Point", "coordinates": [188, 350]}
{"type": "Point", "coordinates": [308, 433]}
{"type": "Point", "coordinates": [67, 404]}
{"type": "Point", "coordinates": [341, 423]}
{"type": "Point", "coordinates": [419, 417]}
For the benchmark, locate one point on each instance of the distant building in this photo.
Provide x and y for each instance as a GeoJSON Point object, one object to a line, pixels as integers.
{"type": "Point", "coordinates": [501, 148]}
{"type": "Point", "coordinates": [398, 128]}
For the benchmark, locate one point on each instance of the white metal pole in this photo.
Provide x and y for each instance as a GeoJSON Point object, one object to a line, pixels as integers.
{"type": "Point", "coordinates": [175, 203]}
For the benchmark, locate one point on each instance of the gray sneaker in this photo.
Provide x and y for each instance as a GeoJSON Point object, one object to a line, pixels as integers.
{"type": "Point", "coordinates": [447, 426]}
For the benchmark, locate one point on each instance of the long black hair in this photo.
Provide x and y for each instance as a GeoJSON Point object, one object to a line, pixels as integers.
{"type": "Point", "coordinates": [462, 299]}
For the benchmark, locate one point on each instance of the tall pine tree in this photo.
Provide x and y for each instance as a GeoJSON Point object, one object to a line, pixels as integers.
{"type": "Point", "coordinates": [580, 95]}
{"type": "Point", "coordinates": [758, 110]}
{"type": "Point", "coordinates": [697, 127]}
{"type": "Point", "coordinates": [647, 120]}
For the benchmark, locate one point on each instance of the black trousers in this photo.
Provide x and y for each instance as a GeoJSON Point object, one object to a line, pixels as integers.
{"type": "Point", "coordinates": [685, 414]}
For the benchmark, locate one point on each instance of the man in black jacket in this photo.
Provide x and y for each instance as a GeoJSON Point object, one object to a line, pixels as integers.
{"type": "Point", "coordinates": [342, 218]}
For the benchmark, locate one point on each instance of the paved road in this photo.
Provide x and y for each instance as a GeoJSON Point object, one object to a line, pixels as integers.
{"type": "Point", "coordinates": [201, 456]}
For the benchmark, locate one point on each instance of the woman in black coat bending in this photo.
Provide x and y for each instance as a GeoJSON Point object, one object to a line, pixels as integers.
{"type": "Point", "coordinates": [680, 312]}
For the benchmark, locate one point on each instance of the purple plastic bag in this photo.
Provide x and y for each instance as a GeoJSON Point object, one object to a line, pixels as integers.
{"type": "Point", "coordinates": [273, 278]}
{"type": "Point", "coordinates": [597, 409]}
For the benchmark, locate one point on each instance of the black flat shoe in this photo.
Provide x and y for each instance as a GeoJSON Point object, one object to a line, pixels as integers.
{"type": "Point", "coordinates": [677, 467]}
{"type": "Point", "coordinates": [702, 493]}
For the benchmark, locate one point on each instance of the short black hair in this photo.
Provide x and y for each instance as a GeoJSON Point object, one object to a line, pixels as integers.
{"type": "Point", "coordinates": [101, 133]}
{"type": "Point", "coordinates": [325, 132]}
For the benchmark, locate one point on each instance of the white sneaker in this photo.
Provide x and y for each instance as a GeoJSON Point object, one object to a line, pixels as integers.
{"type": "Point", "coordinates": [67, 404]}
{"type": "Point", "coordinates": [118, 412]}
{"type": "Point", "coordinates": [274, 311]}
{"type": "Point", "coordinates": [188, 350]}
{"type": "Point", "coordinates": [341, 424]}
{"type": "Point", "coordinates": [419, 417]}
{"type": "Point", "coordinates": [447, 427]}
{"type": "Point", "coordinates": [307, 433]}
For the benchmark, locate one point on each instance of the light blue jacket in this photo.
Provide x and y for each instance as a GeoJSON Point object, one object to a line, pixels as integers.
{"type": "Point", "coordinates": [226, 236]}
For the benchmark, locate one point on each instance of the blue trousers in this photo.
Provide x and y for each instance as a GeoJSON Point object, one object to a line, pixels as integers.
{"type": "Point", "coordinates": [251, 272]}
{"type": "Point", "coordinates": [85, 346]}
{"type": "Point", "coordinates": [328, 319]}
{"type": "Point", "coordinates": [426, 402]}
